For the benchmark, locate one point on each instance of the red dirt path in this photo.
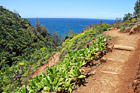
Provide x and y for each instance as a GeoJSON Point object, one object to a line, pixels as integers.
{"type": "Point", "coordinates": [118, 73]}
{"type": "Point", "coordinates": [114, 76]}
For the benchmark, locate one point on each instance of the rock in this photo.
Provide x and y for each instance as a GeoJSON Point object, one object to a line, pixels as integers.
{"type": "Point", "coordinates": [103, 60]}
{"type": "Point", "coordinates": [131, 32]}
{"type": "Point", "coordinates": [106, 44]}
{"type": "Point", "coordinates": [99, 54]}
{"type": "Point", "coordinates": [127, 29]}
{"type": "Point", "coordinates": [135, 28]}
{"type": "Point", "coordinates": [135, 82]}
{"type": "Point", "coordinates": [138, 27]}
{"type": "Point", "coordinates": [138, 77]}
{"type": "Point", "coordinates": [109, 48]}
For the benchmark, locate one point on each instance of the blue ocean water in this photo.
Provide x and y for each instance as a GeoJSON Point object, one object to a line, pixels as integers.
{"type": "Point", "coordinates": [63, 25]}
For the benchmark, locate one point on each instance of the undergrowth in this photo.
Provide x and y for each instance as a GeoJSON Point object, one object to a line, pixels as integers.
{"type": "Point", "coordinates": [64, 76]}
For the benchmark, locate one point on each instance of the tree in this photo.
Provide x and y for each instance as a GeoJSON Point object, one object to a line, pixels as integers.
{"type": "Point", "coordinates": [41, 29]}
{"type": "Point", "coordinates": [127, 16]}
{"type": "Point", "coordinates": [19, 42]}
{"type": "Point", "coordinates": [137, 8]}
{"type": "Point", "coordinates": [38, 26]}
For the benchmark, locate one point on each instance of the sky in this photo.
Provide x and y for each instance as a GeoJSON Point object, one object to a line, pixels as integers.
{"type": "Point", "coordinates": [101, 9]}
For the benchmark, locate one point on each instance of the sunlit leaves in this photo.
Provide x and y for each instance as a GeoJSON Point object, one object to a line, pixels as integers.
{"type": "Point", "coordinates": [67, 74]}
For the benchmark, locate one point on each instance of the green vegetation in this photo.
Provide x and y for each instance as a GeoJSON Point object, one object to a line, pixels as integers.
{"type": "Point", "coordinates": [137, 7]}
{"type": "Point", "coordinates": [67, 74]}
{"type": "Point", "coordinates": [79, 40]}
{"type": "Point", "coordinates": [36, 45]}
{"type": "Point", "coordinates": [127, 16]}
{"type": "Point", "coordinates": [127, 24]}
{"type": "Point", "coordinates": [23, 48]}
{"type": "Point", "coordinates": [136, 13]}
{"type": "Point", "coordinates": [129, 19]}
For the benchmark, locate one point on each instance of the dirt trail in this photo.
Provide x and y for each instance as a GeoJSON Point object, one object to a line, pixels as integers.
{"type": "Point", "coordinates": [53, 60]}
{"type": "Point", "coordinates": [117, 74]}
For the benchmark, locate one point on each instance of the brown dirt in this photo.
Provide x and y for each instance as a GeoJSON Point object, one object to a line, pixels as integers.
{"type": "Point", "coordinates": [53, 60]}
{"type": "Point", "coordinates": [118, 73]}
{"type": "Point", "coordinates": [136, 82]}
{"type": "Point", "coordinates": [129, 71]}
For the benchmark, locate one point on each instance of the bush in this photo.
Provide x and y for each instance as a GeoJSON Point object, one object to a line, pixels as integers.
{"type": "Point", "coordinates": [65, 76]}
{"type": "Point", "coordinates": [21, 46]}
{"type": "Point", "coordinates": [79, 40]}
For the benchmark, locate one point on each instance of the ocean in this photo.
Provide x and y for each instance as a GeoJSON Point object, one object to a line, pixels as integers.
{"type": "Point", "coordinates": [63, 25]}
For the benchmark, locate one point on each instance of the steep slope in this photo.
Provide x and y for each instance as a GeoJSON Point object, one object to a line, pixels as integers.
{"type": "Point", "coordinates": [23, 49]}
{"type": "Point", "coordinates": [53, 60]}
{"type": "Point", "coordinates": [18, 36]}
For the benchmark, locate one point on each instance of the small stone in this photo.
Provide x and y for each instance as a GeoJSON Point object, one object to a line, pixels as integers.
{"type": "Point", "coordinates": [102, 60]}
{"type": "Point", "coordinates": [135, 28]}
{"type": "Point", "coordinates": [127, 29]}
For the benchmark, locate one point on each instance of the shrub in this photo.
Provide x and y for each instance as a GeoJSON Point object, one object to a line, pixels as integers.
{"type": "Point", "coordinates": [79, 40]}
{"type": "Point", "coordinates": [63, 77]}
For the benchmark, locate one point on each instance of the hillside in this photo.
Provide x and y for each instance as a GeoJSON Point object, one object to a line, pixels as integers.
{"type": "Point", "coordinates": [102, 58]}
{"type": "Point", "coordinates": [21, 46]}
{"type": "Point", "coordinates": [66, 75]}
{"type": "Point", "coordinates": [88, 63]}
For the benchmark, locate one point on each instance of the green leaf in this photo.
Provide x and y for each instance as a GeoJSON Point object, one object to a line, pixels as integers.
{"type": "Point", "coordinates": [24, 90]}
{"type": "Point", "coordinates": [81, 76]}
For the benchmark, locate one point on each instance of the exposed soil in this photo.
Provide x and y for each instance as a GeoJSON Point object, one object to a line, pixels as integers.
{"type": "Point", "coordinates": [53, 60]}
{"type": "Point", "coordinates": [136, 82]}
{"type": "Point", "coordinates": [118, 73]}
{"type": "Point", "coordinates": [129, 71]}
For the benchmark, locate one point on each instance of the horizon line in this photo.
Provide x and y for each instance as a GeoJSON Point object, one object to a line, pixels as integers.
{"type": "Point", "coordinates": [70, 18]}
